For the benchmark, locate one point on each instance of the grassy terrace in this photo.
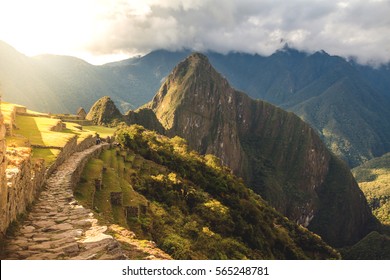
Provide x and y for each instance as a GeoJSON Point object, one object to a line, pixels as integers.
{"type": "Point", "coordinates": [35, 131]}
{"type": "Point", "coordinates": [189, 205]}
{"type": "Point", "coordinates": [38, 131]}
{"type": "Point", "coordinates": [102, 130]}
{"type": "Point", "coordinates": [116, 178]}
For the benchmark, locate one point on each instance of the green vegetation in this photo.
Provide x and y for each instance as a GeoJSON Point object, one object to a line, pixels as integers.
{"type": "Point", "coordinates": [39, 131]}
{"type": "Point", "coordinates": [113, 179]}
{"type": "Point", "coordinates": [104, 112]}
{"type": "Point", "coordinates": [45, 135]}
{"type": "Point", "coordinates": [374, 246]}
{"type": "Point", "coordinates": [49, 155]}
{"type": "Point", "coordinates": [278, 155]}
{"type": "Point", "coordinates": [374, 180]}
{"type": "Point", "coordinates": [103, 131]}
{"type": "Point", "coordinates": [194, 208]}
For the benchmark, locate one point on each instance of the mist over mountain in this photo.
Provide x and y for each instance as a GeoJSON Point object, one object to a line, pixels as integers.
{"type": "Point", "coordinates": [345, 102]}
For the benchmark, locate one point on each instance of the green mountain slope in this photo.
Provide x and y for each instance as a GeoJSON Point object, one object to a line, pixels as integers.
{"type": "Point", "coordinates": [374, 246]}
{"type": "Point", "coordinates": [341, 100]}
{"type": "Point", "coordinates": [277, 154]}
{"type": "Point", "coordinates": [374, 180]}
{"type": "Point", "coordinates": [22, 82]}
{"type": "Point", "coordinates": [190, 205]}
{"type": "Point", "coordinates": [104, 112]}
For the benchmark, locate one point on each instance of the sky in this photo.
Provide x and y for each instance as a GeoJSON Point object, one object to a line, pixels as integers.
{"type": "Point", "coordinates": [100, 31]}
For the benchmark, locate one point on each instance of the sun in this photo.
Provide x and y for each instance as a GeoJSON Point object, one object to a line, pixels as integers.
{"type": "Point", "coordinates": [54, 26]}
{"type": "Point", "coordinates": [70, 27]}
{"type": "Point", "coordinates": [46, 26]}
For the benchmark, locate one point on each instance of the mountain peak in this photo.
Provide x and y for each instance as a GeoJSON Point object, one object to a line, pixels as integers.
{"type": "Point", "coordinates": [289, 51]}
{"type": "Point", "coordinates": [188, 66]}
{"type": "Point", "coordinates": [198, 57]}
{"type": "Point", "coordinates": [266, 146]}
{"type": "Point", "coordinates": [104, 111]}
{"type": "Point", "coordinates": [193, 81]}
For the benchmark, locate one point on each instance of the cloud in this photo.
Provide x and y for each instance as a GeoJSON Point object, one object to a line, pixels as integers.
{"type": "Point", "coordinates": [350, 28]}
{"type": "Point", "coordinates": [358, 28]}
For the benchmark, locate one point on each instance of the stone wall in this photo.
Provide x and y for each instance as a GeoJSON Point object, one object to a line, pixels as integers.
{"type": "Point", "coordinates": [66, 151]}
{"type": "Point", "coordinates": [20, 184]}
{"type": "Point", "coordinates": [20, 110]}
{"type": "Point", "coordinates": [3, 165]}
{"type": "Point", "coordinates": [60, 126]}
{"type": "Point", "coordinates": [77, 174]}
{"type": "Point", "coordinates": [10, 126]}
{"type": "Point", "coordinates": [12, 118]}
{"type": "Point", "coordinates": [86, 143]}
{"type": "Point", "coordinates": [23, 182]}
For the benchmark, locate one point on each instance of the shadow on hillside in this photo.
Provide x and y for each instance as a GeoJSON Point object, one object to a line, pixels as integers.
{"type": "Point", "coordinates": [28, 127]}
{"type": "Point", "coordinates": [386, 229]}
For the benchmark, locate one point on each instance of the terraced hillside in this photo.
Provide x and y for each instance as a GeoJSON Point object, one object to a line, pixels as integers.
{"type": "Point", "coordinates": [190, 205]}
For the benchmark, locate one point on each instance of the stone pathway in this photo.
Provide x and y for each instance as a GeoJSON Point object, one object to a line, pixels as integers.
{"type": "Point", "coordinates": [58, 228]}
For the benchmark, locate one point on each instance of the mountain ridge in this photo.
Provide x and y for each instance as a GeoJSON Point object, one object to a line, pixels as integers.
{"type": "Point", "coordinates": [314, 86]}
{"type": "Point", "coordinates": [277, 154]}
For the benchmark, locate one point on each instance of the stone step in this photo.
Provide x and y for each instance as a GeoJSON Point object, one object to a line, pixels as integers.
{"type": "Point", "coordinates": [58, 228]}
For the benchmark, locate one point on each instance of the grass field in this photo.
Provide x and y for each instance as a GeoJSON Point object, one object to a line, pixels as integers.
{"type": "Point", "coordinates": [36, 132]}
{"type": "Point", "coordinates": [49, 155]}
{"type": "Point", "coordinates": [102, 130]}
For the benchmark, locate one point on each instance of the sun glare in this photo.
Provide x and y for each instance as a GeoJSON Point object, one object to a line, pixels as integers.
{"type": "Point", "coordinates": [44, 25]}
{"type": "Point", "coordinates": [57, 26]}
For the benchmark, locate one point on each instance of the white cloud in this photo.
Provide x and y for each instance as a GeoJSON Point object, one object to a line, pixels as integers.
{"type": "Point", "coordinates": [358, 28]}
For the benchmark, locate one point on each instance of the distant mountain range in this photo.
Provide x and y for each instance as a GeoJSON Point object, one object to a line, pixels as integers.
{"type": "Point", "coordinates": [347, 103]}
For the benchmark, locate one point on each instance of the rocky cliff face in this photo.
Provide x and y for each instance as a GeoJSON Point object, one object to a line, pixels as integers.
{"type": "Point", "coordinates": [144, 117]}
{"type": "Point", "coordinates": [276, 153]}
{"type": "Point", "coordinates": [105, 112]}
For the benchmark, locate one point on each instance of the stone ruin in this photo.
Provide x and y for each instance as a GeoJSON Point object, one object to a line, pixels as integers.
{"type": "Point", "coordinates": [116, 198]}
{"type": "Point", "coordinates": [81, 113]}
{"type": "Point", "coordinates": [98, 184]}
{"type": "Point", "coordinates": [3, 165]}
{"type": "Point", "coordinates": [136, 211]}
{"type": "Point", "coordinates": [132, 212]}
